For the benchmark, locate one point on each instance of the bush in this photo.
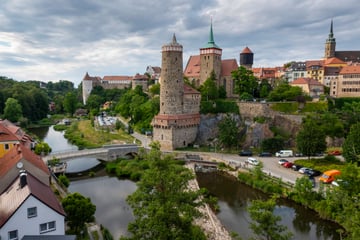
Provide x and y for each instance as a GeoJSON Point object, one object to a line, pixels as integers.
{"type": "Point", "coordinates": [64, 180]}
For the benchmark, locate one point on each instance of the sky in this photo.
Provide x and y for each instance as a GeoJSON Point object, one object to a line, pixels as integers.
{"type": "Point", "coordinates": [63, 39]}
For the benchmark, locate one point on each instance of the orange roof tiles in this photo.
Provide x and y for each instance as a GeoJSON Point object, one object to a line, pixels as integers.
{"type": "Point", "coordinates": [334, 60]}
{"type": "Point", "coordinates": [353, 69]}
{"type": "Point", "coordinates": [117, 78]}
{"type": "Point", "coordinates": [246, 50]}
{"type": "Point", "coordinates": [192, 68]}
{"type": "Point", "coordinates": [190, 90]}
{"type": "Point", "coordinates": [308, 81]}
{"type": "Point", "coordinates": [227, 66]}
{"type": "Point", "coordinates": [18, 153]}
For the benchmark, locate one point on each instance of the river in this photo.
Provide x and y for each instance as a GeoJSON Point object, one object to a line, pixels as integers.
{"type": "Point", "coordinates": [109, 195]}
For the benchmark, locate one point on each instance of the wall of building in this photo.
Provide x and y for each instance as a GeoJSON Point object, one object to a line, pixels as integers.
{"type": "Point", "coordinates": [31, 226]}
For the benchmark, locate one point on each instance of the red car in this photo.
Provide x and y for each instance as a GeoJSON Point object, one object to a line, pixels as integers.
{"type": "Point", "coordinates": [288, 164]}
{"type": "Point", "coordinates": [335, 153]}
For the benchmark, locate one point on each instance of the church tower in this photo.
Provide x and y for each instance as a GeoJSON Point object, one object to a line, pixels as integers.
{"type": "Point", "coordinates": [246, 58]}
{"type": "Point", "coordinates": [330, 43]}
{"type": "Point", "coordinates": [177, 123]}
{"type": "Point", "coordinates": [210, 59]}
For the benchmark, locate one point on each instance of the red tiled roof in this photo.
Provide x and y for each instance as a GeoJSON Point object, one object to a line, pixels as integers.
{"type": "Point", "coordinates": [157, 69]}
{"type": "Point", "coordinates": [12, 199]}
{"type": "Point", "coordinates": [6, 135]}
{"type": "Point", "coordinates": [308, 81]}
{"type": "Point", "coordinates": [18, 153]}
{"type": "Point", "coordinates": [140, 77]}
{"type": "Point", "coordinates": [353, 69]}
{"type": "Point", "coordinates": [310, 63]}
{"type": "Point", "coordinates": [117, 78]}
{"type": "Point", "coordinates": [333, 60]}
{"type": "Point", "coordinates": [227, 66]}
{"type": "Point", "coordinates": [89, 78]}
{"type": "Point", "coordinates": [246, 50]}
{"type": "Point", "coordinates": [192, 68]}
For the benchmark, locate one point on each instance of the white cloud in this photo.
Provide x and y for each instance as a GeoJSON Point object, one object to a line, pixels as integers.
{"type": "Point", "coordinates": [64, 39]}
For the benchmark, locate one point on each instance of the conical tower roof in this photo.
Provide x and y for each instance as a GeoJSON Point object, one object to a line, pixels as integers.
{"type": "Point", "coordinates": [211, 42]}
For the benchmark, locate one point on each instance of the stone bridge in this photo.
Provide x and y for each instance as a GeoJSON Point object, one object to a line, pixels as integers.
{"type": "Point", "coordinates": [105, 153]}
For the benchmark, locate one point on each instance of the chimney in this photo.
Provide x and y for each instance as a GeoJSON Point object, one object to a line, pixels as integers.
{"type": "Point", "coordinates": [23, 180]}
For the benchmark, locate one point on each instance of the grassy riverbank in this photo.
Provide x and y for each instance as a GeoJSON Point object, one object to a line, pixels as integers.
{"type": "Point", "coordinates": [84, 135]}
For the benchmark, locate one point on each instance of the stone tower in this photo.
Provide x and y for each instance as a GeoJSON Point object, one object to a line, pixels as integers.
{"type": "Point", "coordinates": [210, 59]}
{"type": "Point", "coordinates": [330, 43]}
{"type": "Point", "coordinates": [177, 123]}
{"type": "Point", "coordinates": [246, 58]}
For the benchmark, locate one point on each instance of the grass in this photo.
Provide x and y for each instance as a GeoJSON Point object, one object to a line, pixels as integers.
{"type": "Point", "coordinates": [84, 135]}
{"type": "Point", "coordinates": [322, 164]}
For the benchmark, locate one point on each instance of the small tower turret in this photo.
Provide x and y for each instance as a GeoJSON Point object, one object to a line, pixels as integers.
{"type": "Point", "coordinates": [246, 58]}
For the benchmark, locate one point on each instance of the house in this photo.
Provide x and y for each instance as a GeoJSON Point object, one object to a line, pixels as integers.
{"type": "Point", "coordinates": [29, 207]}
{"type": "Point", "coordinates": [310, 86]}
{"type": "Point", "coordinates": [21, 135]}
{"type": "Point", "coordinates": [295, 70]}
{"type": "Point", "coordinates": [18, 158]}
{"type": "Point", "coordinates": [347, 84]}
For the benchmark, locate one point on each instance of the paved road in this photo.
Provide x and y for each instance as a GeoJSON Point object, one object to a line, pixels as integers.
{"type": "Point", "coordinates": [271, 165]}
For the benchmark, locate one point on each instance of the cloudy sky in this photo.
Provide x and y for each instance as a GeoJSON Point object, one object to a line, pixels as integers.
{"type": "Point", "coordinates": [63, 39]}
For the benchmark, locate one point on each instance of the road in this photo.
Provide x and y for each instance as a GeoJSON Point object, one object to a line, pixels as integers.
{"type": "Point", "coordinates": [270, 165]}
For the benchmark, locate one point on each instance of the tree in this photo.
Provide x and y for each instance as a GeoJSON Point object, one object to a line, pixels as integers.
{"type": "Point", "coordinates": [209, 90]}
{"type": "Point", "coordinates": [272, 144]}
{"type": "Point", "coordinates": [13, 110]}
{"type": "Point", "coordinates": [351, 146]}
{"type": "Point", "coordinates": [264, 223]}
{"type": "Point", "coordinates": [245, 81]}
{"type": "Point", "coordinates": [163, 206]}
{"type": "Point", "coordinates": [70, 103]}
{"type": "Point", "coordinates": [79, 210]}
{"type": "Point", "coordinates": [285, 92]}
{"type": "Point", "coordinates": [228, 131]}
{"type": "Point", "coordinates": [311, 138]}
{"type": "Point", "coordinates": [42, 148]}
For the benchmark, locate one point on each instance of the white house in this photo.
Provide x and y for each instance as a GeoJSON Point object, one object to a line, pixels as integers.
{"type": "Point", "coordinates": [29, 207]}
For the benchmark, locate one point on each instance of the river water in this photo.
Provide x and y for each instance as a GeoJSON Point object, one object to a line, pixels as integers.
{"type": "Point", "coordinates": [109, 195]}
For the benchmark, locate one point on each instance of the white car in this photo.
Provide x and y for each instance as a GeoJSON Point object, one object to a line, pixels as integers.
{"type": "Point", "coordinates": [252, 161]}
{"type": "Point", "coordinates": [303, 170]}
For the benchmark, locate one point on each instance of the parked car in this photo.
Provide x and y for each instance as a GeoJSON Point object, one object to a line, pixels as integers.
{"type": "Point", "coordinates": [329, 176]}
{"type": "Point", "coordinates": [287, 164]}
{"type": "Point", "coordinates": [335, 153]}
{"type": "Point", "coordinates": [298, 154]}
{"type": "Point", "coordinates": [252, 161]}
{"type": "Point", "coordinates": [282, 161]}
{"type": "Point", "coordinates": [304, 169]}
{"type": "Point", "coordinates": [296, 167]}
{"type": "Point", "coordinates": [246, 153]}
{"type": "Point", "coordinates": [265, 154]}
{"type": "Point", "coordinates": [313, 173]}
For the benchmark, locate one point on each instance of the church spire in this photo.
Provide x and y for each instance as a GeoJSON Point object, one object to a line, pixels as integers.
{"type": "Point", "coordinates": [211, 42]}
{"type": "Point", "coordinates": [331, 34]}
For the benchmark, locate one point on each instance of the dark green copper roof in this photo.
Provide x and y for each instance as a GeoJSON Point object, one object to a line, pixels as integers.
{"type": "Point", "coordinates": [211, 43]}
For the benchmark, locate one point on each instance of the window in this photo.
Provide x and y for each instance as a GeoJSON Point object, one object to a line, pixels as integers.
{"type": "Point", "coordinates": [13, 235]}
{"type": "Point", "coordinates": [47, 227]}
{"type": "Point", "coordinates": [31, 212]}
{"type": "Point", "coordinates": [6, 146]}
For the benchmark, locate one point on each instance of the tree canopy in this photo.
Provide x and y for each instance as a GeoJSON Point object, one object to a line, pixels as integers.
{"type": "Point", "coordinates": [163, 206]}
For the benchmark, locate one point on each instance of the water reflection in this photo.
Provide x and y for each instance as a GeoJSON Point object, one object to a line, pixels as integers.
{"type": "Point", "coordinates": [109, 195]}
{"type": "Point", "coordinates": [234, 198]}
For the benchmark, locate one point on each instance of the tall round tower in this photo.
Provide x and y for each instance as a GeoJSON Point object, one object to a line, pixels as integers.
{"type": "Point", "coordinates": [172, 83]}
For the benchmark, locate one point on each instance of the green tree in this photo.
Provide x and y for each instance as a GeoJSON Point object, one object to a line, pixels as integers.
{"type": "Point", "coordinates": [42, 148]}
{"type": "Point", "coordinates": [79, 210]}
{"type": "Point", "coordinates": [303, 192]}
{"type": "Point", "coordinates": [310, 138]}
{"type": "Point", "coordinates": [208, 89]}
{"type": "Point", "coordinates": [13, 110]}
{"type": "Point", "coordinates": [264, 223]}
{"type": "Point", "coordinates": [70, 103]}
{"type": "Point", "coordinates": [163, 206]}
{"type": "Point", "coordinates": [228, 132]}
{"type": "Point", "coordinates": [285, 92]}
{"type": "Point", "coordinates": [245, 81]}
{"type": "Point", "coordinates": [351, 146]}
{"type": "Point", "coordinates": [154, 89]}
{"type": "Point", "coordinates": [272, 144]}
